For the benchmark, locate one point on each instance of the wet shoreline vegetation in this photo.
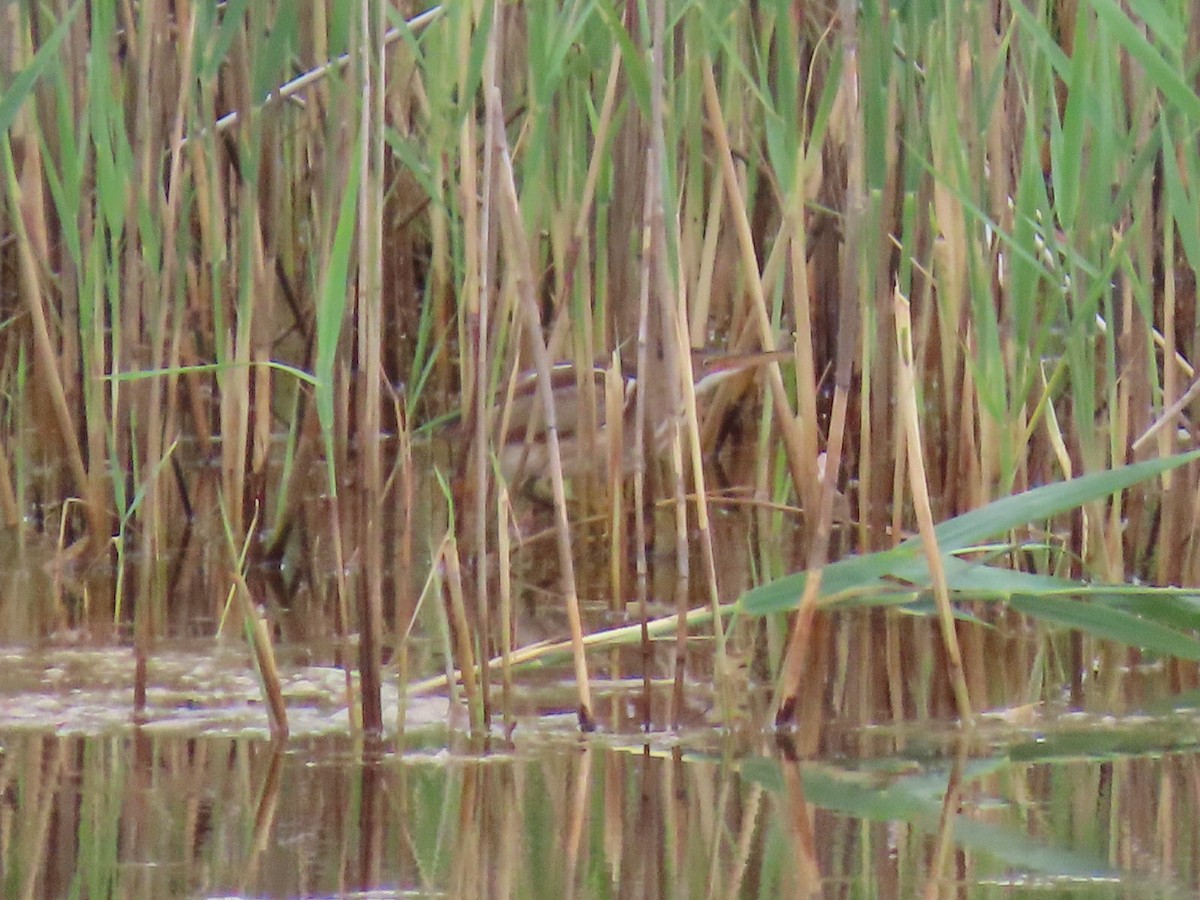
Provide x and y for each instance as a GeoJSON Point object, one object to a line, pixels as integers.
{"type": "Point", "coordinates": [288, 289]}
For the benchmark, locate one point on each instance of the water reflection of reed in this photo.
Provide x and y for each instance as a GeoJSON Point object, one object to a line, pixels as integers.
{"type": "Point", "coordinates": [147, 816]}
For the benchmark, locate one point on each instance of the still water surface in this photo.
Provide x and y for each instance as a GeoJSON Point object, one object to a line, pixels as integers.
{"type": "Point", "coordinates": [198, 802]}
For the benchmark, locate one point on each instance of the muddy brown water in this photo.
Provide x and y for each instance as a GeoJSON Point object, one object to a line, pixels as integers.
{"type": "Point", "coordinates": [197, 801]}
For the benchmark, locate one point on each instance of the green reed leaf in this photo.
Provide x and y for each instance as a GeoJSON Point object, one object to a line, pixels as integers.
{"type": "Point", "coordinates": [1046, 501]}
{"type": "Point", "coordinates": [1165, 75]}
{"type": "Point", "coordinates": [888, 572]}
{"type": "Point", "coordinates": [331, 309]}
{"type": "Point", "coordinates": [1110, 623]}
{"type": "Point", "coordinates": [12, 96]}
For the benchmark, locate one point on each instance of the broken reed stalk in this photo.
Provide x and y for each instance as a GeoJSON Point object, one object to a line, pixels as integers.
{"type": "Point", "coordinates": [545, 652]}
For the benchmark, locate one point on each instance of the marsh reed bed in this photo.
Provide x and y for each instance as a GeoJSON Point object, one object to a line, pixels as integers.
{"type": "Point", "coordinates": [275, 277]}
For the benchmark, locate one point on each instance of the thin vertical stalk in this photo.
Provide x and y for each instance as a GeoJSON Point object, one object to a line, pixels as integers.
{"type": "Point", "coordinates": [462, 632]}
{"type": "Point", "coordinates": [373, 68]}
{"type": "Point", "coordinates": [404, 610]}
{"type": "Point", "coordinates": [676, 362]}
{"type": "Point", "coordinates": [507, 624]}
{"type": "Point", "coordinates": [479, 258]}
{"type": "Point", "coordinates": [614, 418]}
{"type": "Point", "coordinates": [642, 509]}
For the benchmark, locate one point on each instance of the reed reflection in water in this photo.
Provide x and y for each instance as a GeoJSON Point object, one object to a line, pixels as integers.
{"type": "Point", "coordinates": [142, 815]}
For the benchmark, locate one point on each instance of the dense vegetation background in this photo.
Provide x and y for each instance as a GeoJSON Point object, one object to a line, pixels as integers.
{"type": "Point", "coordinates": [251, 253]}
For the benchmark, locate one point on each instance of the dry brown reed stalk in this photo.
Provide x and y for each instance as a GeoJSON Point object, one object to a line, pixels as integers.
{"type": "Point", "coordinates": [618, 545]}
{"type": "Point", "coordinates": [510, 215]}
{"type": "Point", "coordinates": [165, 339]}
{"type": "Point", "coordinates": [798, 644]}
{"type": "Point", "coordinates": [341, 594]}
{"type": "Point", "coordinates": [758, 307]}
{"type": "Point", "coordinates": [683, 573]}
{"type": "Point", "coordinates": [24, 191]}
{"type": "Point", "coordinates": [372, 67]}
{"type": "Point", "coordinates": [404, 604]}
{"type": "Point", "coordinates": [464, 650]}
{"type": "Point", "coordinates": [640, 504]}
{"type": "Point", "coordinates": [676, 362]}
{"type": "Point", "coordinates": [480, 259]}
{"type": "Point", "coordinates": [505, 590]}
{"type": "Point", "coordinates": [614, 416]}
{"type": "Point", "coordinates": [10, 512]}
{"type": "Point", "coordinates": [910, 418]}
{"type": "Point", "coordinates": [264, 657]}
